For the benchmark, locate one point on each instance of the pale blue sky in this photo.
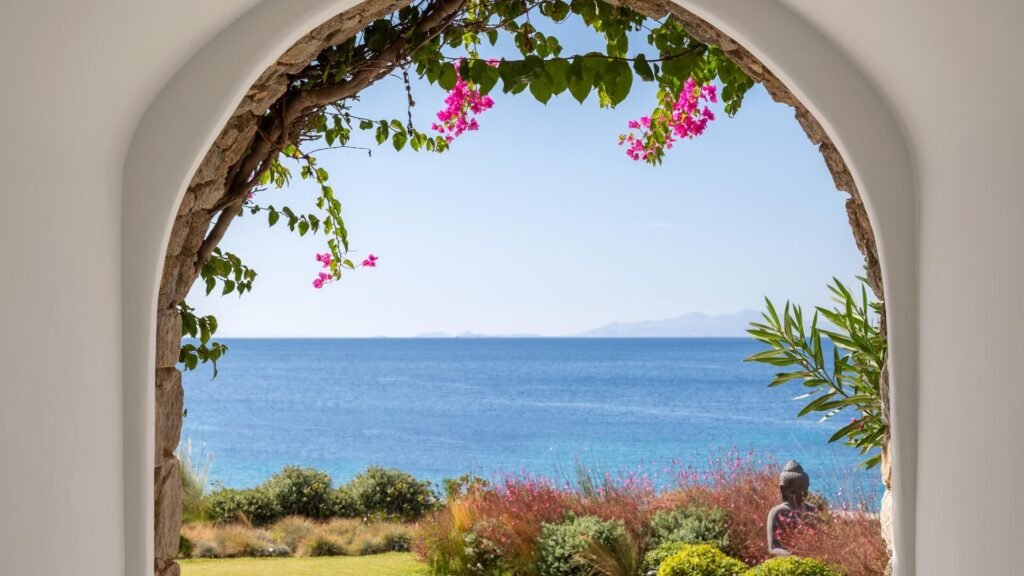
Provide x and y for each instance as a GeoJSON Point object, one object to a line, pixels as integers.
{"type": "Point", "coordinates": [539, 223]}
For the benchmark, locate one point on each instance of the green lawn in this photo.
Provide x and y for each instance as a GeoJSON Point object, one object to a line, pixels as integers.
{"type": "Point", "coordinates": [390, 564]}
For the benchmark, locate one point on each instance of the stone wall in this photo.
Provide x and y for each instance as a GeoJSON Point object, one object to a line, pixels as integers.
{"type": "Point", "coordinates": [209, 186]}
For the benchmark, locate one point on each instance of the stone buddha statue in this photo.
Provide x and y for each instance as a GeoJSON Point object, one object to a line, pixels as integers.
{"type": "Point", "coordinates": [794, 484]}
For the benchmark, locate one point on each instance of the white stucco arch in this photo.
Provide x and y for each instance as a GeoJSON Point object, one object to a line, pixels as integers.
{"type": "Point", "coordinates": [183, 120]}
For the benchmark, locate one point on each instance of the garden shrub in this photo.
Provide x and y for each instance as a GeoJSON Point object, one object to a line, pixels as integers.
{"type": "Point", "coordinates": [690, 525]}
{"type": "Point", "coordinates": [255, 506]}
{"type": "Point", "coordinates": [654, 558]}
{"type": "Point", "coordinates": [746, 490]}
{"type": "Point", "coordinates": [391, 494]}
{"type": "Point", "coordinates": [701, 560]}
{"type": "Point", "coordinates": [344, 504]}
{"type": "Point", "coordinates": [560, 545]}
{"type": "Point", "coordinates": [792, 566]}
{"type": "Point", "coordinates": [302, 492]}
{"type": "Point", "coordinates": [481, 557]}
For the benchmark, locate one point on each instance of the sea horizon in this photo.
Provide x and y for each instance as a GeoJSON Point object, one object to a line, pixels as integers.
{"type": "Point", "coordinates": [442, 407]}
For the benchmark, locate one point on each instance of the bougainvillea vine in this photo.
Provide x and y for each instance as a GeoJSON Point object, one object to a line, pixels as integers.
{"type": "Point", "coordinates": [677, 117]}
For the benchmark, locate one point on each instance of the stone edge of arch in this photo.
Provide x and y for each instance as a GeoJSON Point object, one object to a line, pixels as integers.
{"type": "Point", "coordinates": [207, 186]}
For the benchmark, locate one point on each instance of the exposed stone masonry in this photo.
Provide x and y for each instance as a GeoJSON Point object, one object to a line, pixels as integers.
{"type": "Point", "coordinates": [209, 186]}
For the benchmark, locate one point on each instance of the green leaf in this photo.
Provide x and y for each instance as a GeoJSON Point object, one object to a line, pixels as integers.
{"type": "Point", "coordinates": [303, 227]}
{"type": "Point", "coordinates": [229, 286]}
{"type": "Point", "coordinates": [558, 73]}
{"type": "Point", "coordinates": [558, 11]}
{"type": "Point", "coordinates": [399, 140]}
{"type": "Point", "coordinates": [541, 89]}
{"type": "Point", "coordinates": [448, 77]}
{"type": "Point", "coordinates": [643, 69]}
{"type": "Point", "coordinates": [272, 217]}
{"type": "Point", "coordinates": [488, 79]}
{"type": "Point", "coordinates": [581, 80]}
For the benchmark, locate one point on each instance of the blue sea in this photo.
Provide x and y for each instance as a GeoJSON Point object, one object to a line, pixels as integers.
{"type": "Point", "coordinates": [442, 407]}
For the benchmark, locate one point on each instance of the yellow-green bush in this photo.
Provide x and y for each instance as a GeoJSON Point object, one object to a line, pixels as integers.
{"type": "Point", "coordinates": [391, 494]}
{"type": "Point", "coordinates": [792, 566]}
{"type": "Point", "coordinates": [701, 560]}
{"type": "Point", "coordinates": [654, 558]}
{"type": "Point", "coordinates": [255, 506]}
{"type": "Point", "coordinates": [302, 492]}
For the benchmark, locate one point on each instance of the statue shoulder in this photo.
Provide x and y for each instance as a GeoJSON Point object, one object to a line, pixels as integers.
{"type": "Point", "coordinates": [779, 509]}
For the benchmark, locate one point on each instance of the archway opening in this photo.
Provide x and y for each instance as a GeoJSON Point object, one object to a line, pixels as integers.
{"type": "Point", "coordinates": [192, 234]}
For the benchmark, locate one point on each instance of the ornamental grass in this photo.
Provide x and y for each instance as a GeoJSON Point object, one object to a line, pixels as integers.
{"type": "Point", "coordinates": [496, 528]}
{"type": "Point", "coordinates": [295, 535]}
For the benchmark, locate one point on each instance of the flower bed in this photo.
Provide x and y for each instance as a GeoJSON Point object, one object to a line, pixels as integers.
{"type": "Point", "coordinates": [531, 526]}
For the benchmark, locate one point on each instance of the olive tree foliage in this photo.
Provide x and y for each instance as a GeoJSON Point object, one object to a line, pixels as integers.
{"type": "Point", "coordinates": [839, 363]}
{"type": "Point", "coordinates": [445, 42]}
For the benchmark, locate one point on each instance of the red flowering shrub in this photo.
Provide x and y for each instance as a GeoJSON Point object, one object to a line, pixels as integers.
{"type": "Point", "coordinates": [852, 541]}
{"type": "Point", "coordinates": [499, 526]}
{"type": "Point", "coordinates": [745, 490]}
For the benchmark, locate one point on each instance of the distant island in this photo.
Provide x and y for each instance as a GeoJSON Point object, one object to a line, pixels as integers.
{"type": "Point", "coordinates": [693, 325]}
{"type": "Point", "coordinates": [475, 335]}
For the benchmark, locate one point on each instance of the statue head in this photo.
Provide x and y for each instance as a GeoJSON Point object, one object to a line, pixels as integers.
{"type": "Point", "coordinates": [794, 483]}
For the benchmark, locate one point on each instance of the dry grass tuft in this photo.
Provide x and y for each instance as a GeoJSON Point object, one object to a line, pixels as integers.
{"type": "Point", "coordinates": [341, 537]}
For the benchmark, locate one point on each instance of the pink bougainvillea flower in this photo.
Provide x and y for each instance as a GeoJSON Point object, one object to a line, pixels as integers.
{"type": "Point", "coordinates": [677, 118]}
{"type": "Point", "coordinates": [370, 262]}
{"type": "Point", "coordinates": [323, 277]}
{"type": "Point", "coordinates": [463, 99]}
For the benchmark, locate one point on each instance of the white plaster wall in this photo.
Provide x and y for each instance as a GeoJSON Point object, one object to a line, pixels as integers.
{"type": "Point", "coordinates": [75, 78]}
{"type": "Point", "coordinates": [184, 119]}
{"type": "Point", "coordinates": [952, 73]}
{"type": "Point", "coordinates": [921, 97]}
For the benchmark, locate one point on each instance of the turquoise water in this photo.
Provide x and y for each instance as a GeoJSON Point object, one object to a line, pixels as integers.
{"type": "Point", "coordinates": [440, 407]}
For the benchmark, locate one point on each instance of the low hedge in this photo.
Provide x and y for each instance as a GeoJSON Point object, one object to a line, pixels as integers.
{"type": "Point", "coordinates": [254, 506]}
{"type": "Point", "coordinates": [380, 493]}
{"type": "Point", "coordinates": [792, 566]}
{"type": "Point", "coordinates": [391, 494]}
{"type": "Point", "coordinates": [701, 560]}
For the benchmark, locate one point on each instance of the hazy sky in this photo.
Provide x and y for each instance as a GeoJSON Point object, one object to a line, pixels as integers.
{"type": "Point", "coordinates": [540, 223]}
